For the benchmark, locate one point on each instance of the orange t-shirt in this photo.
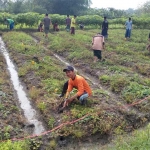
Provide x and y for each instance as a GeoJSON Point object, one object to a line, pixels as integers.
{"type": "Point", "coordinates": [80, 84]}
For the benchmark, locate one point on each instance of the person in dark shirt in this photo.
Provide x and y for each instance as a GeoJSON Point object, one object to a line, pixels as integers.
{"type": "Point", "coordinates": [81, 26]}
{"type": "Point", "coordinates": [105, 28]}
{"type": "Point", "coordinates": [47, 23]}
{"type": "Point", "coordinates": [68, 22]}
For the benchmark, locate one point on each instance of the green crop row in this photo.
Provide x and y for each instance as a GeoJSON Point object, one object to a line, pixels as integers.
{"type": "Point", "coordinates": [31, 19]}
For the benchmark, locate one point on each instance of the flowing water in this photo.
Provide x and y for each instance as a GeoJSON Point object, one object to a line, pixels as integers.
{"type": "Point", "coordinates": [25, 104]}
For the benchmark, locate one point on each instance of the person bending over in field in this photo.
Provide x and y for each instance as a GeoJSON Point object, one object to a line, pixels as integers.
{"type": "Point", "coordinates": [98, 44]}
{"type": "Point", "coordinates": [81, 25]}
{"type": "Point", "coordinates": [10, 22]}
{"type": "Point", "coordinates": [77, 82]}
{"type": "Point", "coordinates": [55, 26]}
{"type": "Point", "coordinates": [40, 27]}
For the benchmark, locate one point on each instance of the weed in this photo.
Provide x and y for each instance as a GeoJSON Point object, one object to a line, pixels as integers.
{"type": "Point", "coordinates": [51, 122]}
{"type": "Point", "coordinates": [52, 144]}
{"type": "Point", "coordinates": [118, 83]}
{"type": "Point", "coordinates": [105, 79]}
{"type": "Point", "coordinates": [34, 92]}
{"type": "Point", "coordinates": [41, 106]}
{"type": "Point", "coordinates": [134, 91]}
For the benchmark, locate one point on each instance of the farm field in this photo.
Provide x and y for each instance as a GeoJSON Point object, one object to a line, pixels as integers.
{"type": "Point", "coordinates": [120, 102]}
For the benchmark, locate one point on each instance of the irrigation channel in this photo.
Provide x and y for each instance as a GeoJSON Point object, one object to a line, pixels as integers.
{"type": "Point", "coordinates": [29, 112]}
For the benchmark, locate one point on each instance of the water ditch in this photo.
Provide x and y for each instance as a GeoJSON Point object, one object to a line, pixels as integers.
{"type": "Point", "coordinates": [29, 112]}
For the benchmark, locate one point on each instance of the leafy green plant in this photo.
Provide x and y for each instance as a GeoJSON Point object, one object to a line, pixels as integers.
{"type": "Point", "coordinates": [137, 140]}
{"type": "Point", "coordinates": [51, 122]}
{"type": "Point", "coordinates": [134, 91]}
{"type": "Point", "coordinates": [118, 83]}
{"type": "Point", "coordinates": [41, 106]}
{"type": "Point", "coordinates": [105, 79]}
{"type": "Point", "coordinates": [21, 145]}
{"type": "Point", "coordinates": [34, 92]}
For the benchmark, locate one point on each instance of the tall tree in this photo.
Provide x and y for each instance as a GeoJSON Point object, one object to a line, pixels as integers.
{"type": "Point", "coordinates": [69, 6]}
{"type": "Point", "coordinates": [145, 8]}
{"type": "Point", "coordinates": [16, 7]}
{"type": "Point", "coordinates": [4, 4]}
{"type": "Point", "coordinates": [63, 6]}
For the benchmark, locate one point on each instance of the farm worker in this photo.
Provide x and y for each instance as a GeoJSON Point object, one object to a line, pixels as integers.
{"type": "Point", "coordinates": [40, 27]}
{"type": "Point", "coordinates": [98, 44]}
{"type": "Point", "coordinates": [128, 26]}
{"type": "Point", "coordinates": [81, 25]}
{"type": "Point", "coordinates": [73, 24]}
{"type": "Point", "coordinates": [11, 23]}
{"type": "Point", "coordinates": [78, 82]}
{"type": "Point", "coordinates": [47, 23]}
{"type": "Point", "coordinates": [55, 26]}
{"type": "Point", "coordinates": [68, 22]}
{"type": "Point", "coordinates": [105, 28]}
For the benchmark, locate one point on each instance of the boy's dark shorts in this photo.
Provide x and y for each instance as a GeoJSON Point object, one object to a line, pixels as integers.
{"type": "Point", "coordinates": [97, 53]}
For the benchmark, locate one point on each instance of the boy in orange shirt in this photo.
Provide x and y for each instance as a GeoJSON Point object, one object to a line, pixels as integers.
{"type": "Point", "coordinates": [78, 82]}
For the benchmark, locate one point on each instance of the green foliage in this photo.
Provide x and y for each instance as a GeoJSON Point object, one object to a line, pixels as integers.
{"type": "Point", "coordinates": [32, 19]}
{"type": "Point", "coordinates": [42, 106]}
{"type": "Point", "coordinates": [105, 79]}
{"type": "Point", "coordinates": [51, 122]}
{"type": "Point", "coordinates": [52, 144]}
{"type": "Point", "coordinates": [118, 83]}
{"type": "Point", "coordinates": [139, 140]}
{"type": "Point", "coordinates": [9, 145]}
{"type": "Point", "coordinates": [134, 91]}
{"type": "Point", "coordinates": [29, 19]}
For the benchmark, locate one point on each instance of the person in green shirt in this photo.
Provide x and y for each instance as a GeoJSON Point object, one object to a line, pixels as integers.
{"type": "Point", "coordinates": [73, 24]}
{"type": "Point", "coordinates": [10, 22]}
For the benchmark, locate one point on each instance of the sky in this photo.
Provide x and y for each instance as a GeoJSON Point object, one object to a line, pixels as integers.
{"type": "Point", "coordinates": [117, 4]}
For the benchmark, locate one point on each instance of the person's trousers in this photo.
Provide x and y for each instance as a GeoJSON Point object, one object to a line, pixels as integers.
{"type": "Point", "coordinates": [11, 26]}
{"type": "Point", "coordinates": [98, 54]}
{"type": "Point", "coordinates": [128, 33]}
{"type": "Point", "coordinates": [72, 30]}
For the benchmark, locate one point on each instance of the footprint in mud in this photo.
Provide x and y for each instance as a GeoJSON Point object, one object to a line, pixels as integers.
{"type": "Point", "coordinates": [62, 141]}
{"type": "Point", "coordinates": [29, 127]}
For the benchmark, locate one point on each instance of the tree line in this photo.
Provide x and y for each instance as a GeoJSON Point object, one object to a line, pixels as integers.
{"type": "Point", "coordinates": [71, 7]}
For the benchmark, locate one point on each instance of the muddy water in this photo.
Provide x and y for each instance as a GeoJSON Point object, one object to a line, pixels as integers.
{"type": "Point", "coordinates": [25, 104]}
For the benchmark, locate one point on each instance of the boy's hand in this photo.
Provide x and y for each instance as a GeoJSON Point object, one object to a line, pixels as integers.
{"type": "Point", "coordinates": [65, 103]}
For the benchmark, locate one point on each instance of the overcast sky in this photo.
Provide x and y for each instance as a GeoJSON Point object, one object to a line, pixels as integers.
{"type": "Point", "coordinates": [117, 4]}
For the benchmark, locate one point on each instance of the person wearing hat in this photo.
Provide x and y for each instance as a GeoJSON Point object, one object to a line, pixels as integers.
{"type": "Point", "coordinates": [78, 82]}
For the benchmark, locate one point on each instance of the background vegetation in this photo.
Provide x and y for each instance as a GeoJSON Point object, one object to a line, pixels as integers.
{"type": "Point", "coordinates": [122, 73]}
